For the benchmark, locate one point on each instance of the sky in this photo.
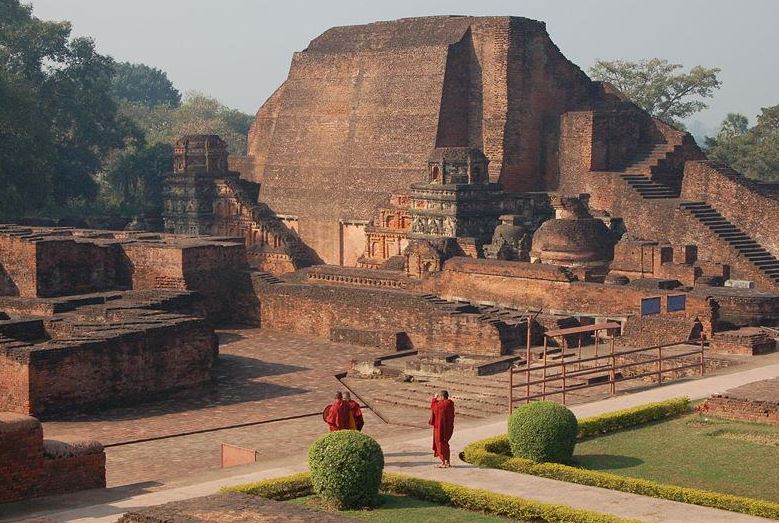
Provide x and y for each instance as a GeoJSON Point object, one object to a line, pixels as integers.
{"type": "Point", "coordinates": [239, 51]}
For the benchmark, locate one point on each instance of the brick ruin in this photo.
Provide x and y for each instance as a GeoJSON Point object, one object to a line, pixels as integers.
{"type": "Point", "coordinates": [31, 466]}
{"type": "Point", "coordinates": [426, 185]}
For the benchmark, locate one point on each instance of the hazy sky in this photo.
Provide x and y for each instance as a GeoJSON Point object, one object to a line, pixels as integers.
{"type": "Point", "coordinates": [239, 50]}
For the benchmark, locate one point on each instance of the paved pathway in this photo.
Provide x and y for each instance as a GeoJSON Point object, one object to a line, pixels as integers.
{"type": "Point", "coordinates": [410, 454]}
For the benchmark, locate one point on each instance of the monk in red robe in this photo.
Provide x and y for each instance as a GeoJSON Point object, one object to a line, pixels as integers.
{"type": "Point", "coordinates": [338, 415]}
{"type": "Point", "coordinates": [442, 420]}
{"type": "Point", "coordinates": [354, 407]}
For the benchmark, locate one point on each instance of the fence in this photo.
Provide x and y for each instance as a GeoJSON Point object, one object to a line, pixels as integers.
{"type": "Point", "coordinates": [566, 374]}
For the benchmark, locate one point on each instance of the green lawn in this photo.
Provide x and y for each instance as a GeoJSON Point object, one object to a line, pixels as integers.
{"type": "Point", "coordinates": [402, 508]}
{"type": "Point", "coordinates": [721, 455]}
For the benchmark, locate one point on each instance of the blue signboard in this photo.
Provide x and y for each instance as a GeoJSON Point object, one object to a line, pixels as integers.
{"type": "Point", "coordinates": [677, 303]}
{"type": "Point", "coordinates": [650, 306]}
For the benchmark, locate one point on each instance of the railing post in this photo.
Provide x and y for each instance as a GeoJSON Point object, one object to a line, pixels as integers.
{"type": "Point", "coordinates": [527, 362]}
{"type": "Point", "coordinates": [511, 387]}
{"type": "Point", "coordinates": [543, 382]}
{"type": "Point", "coordinates": [613, 370]}
{"type": "Point", "coordinates": [659, 364]}
{"type": "Point", "coordinates": [562, 363]}
{"type": "Point", "coordinates": [596, 347]}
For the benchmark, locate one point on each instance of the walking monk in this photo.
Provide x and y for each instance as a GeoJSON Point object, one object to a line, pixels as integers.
{"type": "Point", "coordinates": [356, 411]}
{"type": "Point", "coordinates": [442, 420]}
{"type": "Point", "coordinates": [338, 415]}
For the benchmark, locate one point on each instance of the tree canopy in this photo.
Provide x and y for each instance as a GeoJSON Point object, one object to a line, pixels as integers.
{"type": "Point", "coordinates": [141, 84]}
{"type": "Point", "coordinates": [57, 117]}
{"type": "Point", "coordinates": [198, 114]}
{"type": "Point", "coordinates": [753, 151]}
{"type": "Point", "coordinates": [658, 87]}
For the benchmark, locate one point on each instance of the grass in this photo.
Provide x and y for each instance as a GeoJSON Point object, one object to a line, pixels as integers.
{"type": "Point", "coordinates": [720, 455]}
{"type": "Point", "coordinates": [403, 508]}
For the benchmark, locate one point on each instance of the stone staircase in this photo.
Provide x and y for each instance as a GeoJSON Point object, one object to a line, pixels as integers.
{"type": "Point", "coordinates": [268, 278]}
{"type": "Point", "coordinates": [746, 246]}
{"type": "Point", "coordinates": [648, 174]}
{"type": "Point", "coordinates": [474, 397]}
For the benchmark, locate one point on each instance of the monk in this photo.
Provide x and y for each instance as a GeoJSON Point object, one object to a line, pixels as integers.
{"type": "Point", "coordinates": [354, 407]}
{"type": "Point", "coordinates": [442, 420]}
{"type": "Point", "coordinates": [338, 415]}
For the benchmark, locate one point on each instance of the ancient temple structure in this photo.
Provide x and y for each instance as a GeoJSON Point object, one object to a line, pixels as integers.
{"type": "Point", "coordinates": [366, 111]}
{"type": "Point", "coordinates": [202, 196]}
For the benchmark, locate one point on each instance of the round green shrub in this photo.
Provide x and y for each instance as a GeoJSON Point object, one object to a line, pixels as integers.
{"type": "Point", "coordinates": [346, 468]}
{"type": "Point", "coordinates": [542, 431]}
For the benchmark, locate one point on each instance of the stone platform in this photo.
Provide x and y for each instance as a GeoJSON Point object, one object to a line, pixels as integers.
{"type": "Point", "coordinates": [756, 402]}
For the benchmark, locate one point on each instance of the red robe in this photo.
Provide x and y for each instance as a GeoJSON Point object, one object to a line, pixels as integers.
{"type": "Point", "coordinates": [356, 414]}
{"type": "Point", "coordinates": [338, 416]}
{"type": "Point", "coordinates": [442, 420]}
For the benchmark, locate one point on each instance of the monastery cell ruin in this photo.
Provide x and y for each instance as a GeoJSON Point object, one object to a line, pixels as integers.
{"type": "Point", "coordinates": [449, 192]}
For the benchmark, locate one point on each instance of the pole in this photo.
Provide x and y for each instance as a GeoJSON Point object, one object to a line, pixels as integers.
{"type": "Point", "coordinates": [562, 365]}
{"type": "Point", "coordinates": [659, 364]}
{"type": "Point", "coordinates": [702, 364]}
{"type": "Point", "coordinates": [596, 346]}
{"type": "Point", "coordinates": [527, 360]}
{"type": "Point", "coordinates": [579, 356]}
{"type": "Point", "coordinates": [511, 387]}
{"type": "Point", "coordinates": [543, 383]}
{"type": "Point", "coordinates": [613, 364]}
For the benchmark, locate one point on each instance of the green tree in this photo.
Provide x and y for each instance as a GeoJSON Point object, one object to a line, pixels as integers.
{"type": "Point", "coordinates": [658, 86]}
{"type": "Point", "coordinates": [198, 114]}
{"type": "Point", "coordinates": [57, 117]}
{"type": "Point", "coordinates": [141, 84]}
{"type": "Point", "coordinates": [754, 151]}
{"type": "Point", "coordinates": [134, 179]}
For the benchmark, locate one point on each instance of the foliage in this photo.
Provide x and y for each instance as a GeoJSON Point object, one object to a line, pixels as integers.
{"type": "Point", "coordinates": [57, 117]}
{"type": "Point", "coordinates": [632, 417]}
{"type": "Point", "coordinates": [141, 84]}
{"type": "Point", "coordinates": [136, 176]}
{"type": "Point", "coordinates": [495, 452]}
{"type": "Point", "coordinates": [437, 492]}
{"type": "Point", "coordinates": [754, 151]}
{"type": "Point", "coordinates": [346, 468]}
{"type": "Point", "coordinates": [198, 114]}
{"type": "Point", "coordinates": [542, 431]}
{"type": "Point", "coordinates": [656, 86]}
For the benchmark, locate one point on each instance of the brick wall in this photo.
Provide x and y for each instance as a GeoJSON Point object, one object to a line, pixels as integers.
{"type": "Point", "coordinates": [112, 371]}
{"type": "Point", "coordinates": [754, 411]}
{"type": "Point", "coordinates": [318, 309]}
{"type": "Point", "coordinates": [21, 456]}
{"type": "Point", "coordinates": [17, 258]}
{"type": "Point", "coordinates": [26, 471]}
{"type": "Point", "coordinates": [738, 199]}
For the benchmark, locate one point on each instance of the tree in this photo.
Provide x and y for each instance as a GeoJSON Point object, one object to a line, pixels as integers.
{"type": "Point", "coordinates": [57, 117]}
{"type": "Point", "coordinates": [198, 114]}
{"type": "Point", "coordinates": [135, 177]}
{"type": "Point", "coordinates": [657, 87]}
{"type": "Point", "coordinates": [754, 151]}
{"type": "Point", "coordinates": [141, 84]}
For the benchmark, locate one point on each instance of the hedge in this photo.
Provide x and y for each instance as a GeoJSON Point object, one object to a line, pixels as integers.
{"type": "Point", "coordinates": [632, 417]}
{"type": "Point", "coordinates": [495, 452]}
{"type": "Point", "coordinates": [476, 500]}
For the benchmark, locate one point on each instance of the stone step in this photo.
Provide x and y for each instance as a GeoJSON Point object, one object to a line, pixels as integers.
{"type": "Point", "coordinates": [465, 399]}
{"type": "Point", "coordinates": [425, 405]}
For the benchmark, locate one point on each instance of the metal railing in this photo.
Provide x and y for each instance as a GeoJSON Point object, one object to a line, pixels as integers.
{"type": "Point", "coordinates": [592, 365]}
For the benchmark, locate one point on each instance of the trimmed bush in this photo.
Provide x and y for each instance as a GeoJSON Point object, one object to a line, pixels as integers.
{"type": "Point", "coordinates": [466, 498]}
{"type": "Point", "coordinates": [346, 468]}
{"type": "Point", "coordinates": [542, 431]}
{"type": "Point", "coordinates": [632, 417]}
